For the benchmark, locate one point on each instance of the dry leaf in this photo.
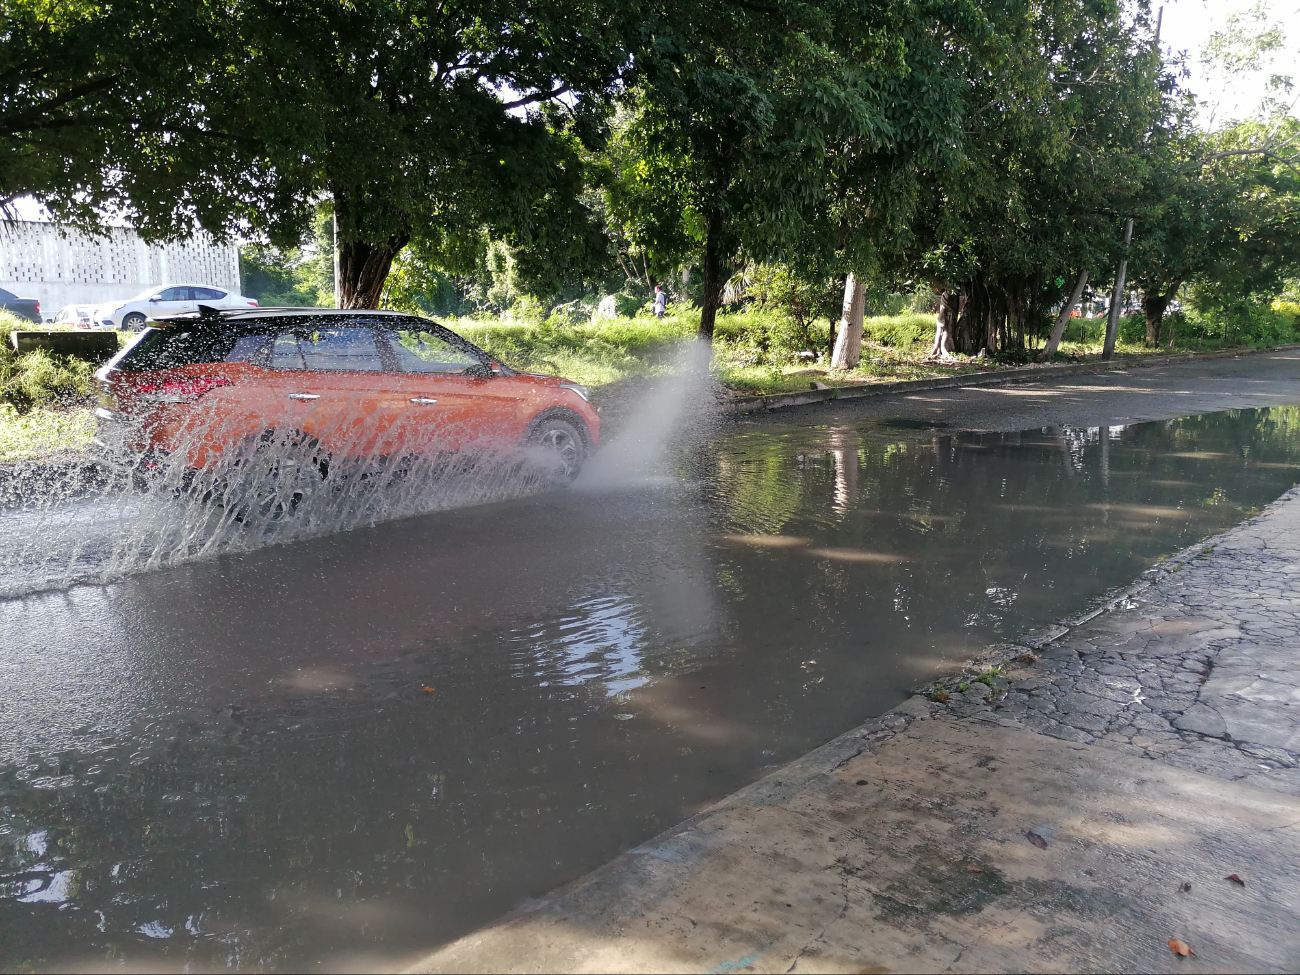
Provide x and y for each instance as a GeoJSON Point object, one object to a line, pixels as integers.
{"type": "Point", "coordinates": [941, 697]}
{"type": "Point", "coordinates": [974, 869]}
{"type": "Point", "coordinates": [1180, 948]}
{"type": "Point", "coordinates": [427, 690]}
{"type": "Point", "coordinates": [1235, 879]}
{"type": "Point", "coordinates": [1037, 840]}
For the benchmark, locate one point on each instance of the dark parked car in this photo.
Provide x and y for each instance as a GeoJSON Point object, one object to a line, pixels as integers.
{"type": "Point", "coordinates": [28, 308]}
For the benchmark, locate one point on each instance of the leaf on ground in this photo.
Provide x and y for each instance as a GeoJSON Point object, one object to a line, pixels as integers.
{"type": "Point", "coordinates": [941, 697]}
{"type": "Point", "coordinates": [1180, 948]}
{"type": "Point", "coordinates": [427, 690]}
{"type": "Point", "coordinates": [1235, 879]}
{"type": "Point", "coordinates": [975, 869]}
{"type": "Point", "coordinates": [1037, 840]}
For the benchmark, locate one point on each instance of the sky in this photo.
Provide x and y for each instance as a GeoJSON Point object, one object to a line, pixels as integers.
{"type": "Point", "coordinates": [1188, 25]}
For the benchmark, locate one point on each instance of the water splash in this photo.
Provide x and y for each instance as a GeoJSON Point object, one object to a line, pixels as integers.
{"type": "Point", "coordinates": [119, 514]}
{"type": "Point", "coordinates": [116, 514]}
{"type": "Point", "coordinates": [680, 405]}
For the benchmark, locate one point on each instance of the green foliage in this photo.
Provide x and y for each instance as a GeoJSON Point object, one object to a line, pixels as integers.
{"type": "Point", "coordinates": [905, 331]}
{"type": "Point", "coordinates": [38, 378]}
{"type": "Point", "coordinates": [41, 432]}
{"type": "Point", "coordinates": [300, 275]}
{"type": "Point", "coordinates": [596, 352]}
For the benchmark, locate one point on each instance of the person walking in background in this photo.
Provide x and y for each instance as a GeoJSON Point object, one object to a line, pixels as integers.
{"type": "Point", "coordinates": [661, 302]}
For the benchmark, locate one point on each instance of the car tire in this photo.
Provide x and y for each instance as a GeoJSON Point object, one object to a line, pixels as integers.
{"type": "Point", "coordinates": [133, 322]}
{"type": "Point", "coordinates": [269, 476]}
{"type": "Point", "coordinates": [555, 449]}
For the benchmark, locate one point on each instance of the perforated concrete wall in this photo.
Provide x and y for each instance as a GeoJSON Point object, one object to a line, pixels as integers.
{"type": "Point", "coordinates": [64, 267]}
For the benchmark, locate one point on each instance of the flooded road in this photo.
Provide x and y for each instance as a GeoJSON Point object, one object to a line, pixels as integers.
{"type": "Point", "coordinates": [338, 752]}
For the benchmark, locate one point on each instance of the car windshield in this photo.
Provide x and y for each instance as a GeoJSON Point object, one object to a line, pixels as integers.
{"type": "Point", "coordinates": [147, 294]}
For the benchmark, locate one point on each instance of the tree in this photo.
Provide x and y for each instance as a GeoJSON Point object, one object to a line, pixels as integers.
{"type": "Point", "coordinates": [753, 126]}
{"type": "Point", "coordinates": [102, 111]}
{"type": "Point", "coordinates": [1224, 214]}
{"type": "Point", "coordinates": [422, 120]}
{"type": "Point", "coordinates": [1055, 148]}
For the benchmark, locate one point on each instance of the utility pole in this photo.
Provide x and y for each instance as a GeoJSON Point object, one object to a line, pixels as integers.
{"type": "Point", "coordinates": [1117, 296]}
{"type": "Point", "coordinates": [1121, 272]}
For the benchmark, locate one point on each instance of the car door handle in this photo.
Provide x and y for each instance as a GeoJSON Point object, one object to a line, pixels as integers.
{"type": "Point", "coordinates": [304, 396]}
{"type": "Point", "coordinates": [423, 401]}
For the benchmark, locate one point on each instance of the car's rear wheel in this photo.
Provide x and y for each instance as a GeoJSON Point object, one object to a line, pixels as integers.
{"type": "Point", "coordinates": [133, 322]}
{"type": "Point", "coordinates": [269, 475]}
{"type": "Point", "coordinates": [555, 449]}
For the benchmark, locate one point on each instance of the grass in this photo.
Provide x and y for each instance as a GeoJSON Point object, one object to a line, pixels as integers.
{"type": "Point", "coordinates": [44, 399]}
{"type": "Point", "coordinates": [596, 353]}
{"type": "Point", "coordinates": [43, 432]}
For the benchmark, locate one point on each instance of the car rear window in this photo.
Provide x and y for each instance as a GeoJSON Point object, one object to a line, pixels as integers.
{"type": "Point", "coordinates": [170, 348]}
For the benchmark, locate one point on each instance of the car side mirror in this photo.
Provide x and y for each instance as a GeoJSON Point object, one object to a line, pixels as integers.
{"type": "Point", "coordinates": [156, 298]}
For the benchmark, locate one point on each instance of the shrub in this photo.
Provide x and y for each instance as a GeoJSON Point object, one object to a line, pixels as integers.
{"type": "Point", "coordinates": [899, 331]}
{"type": "Point", "coordinates": [38, 377]}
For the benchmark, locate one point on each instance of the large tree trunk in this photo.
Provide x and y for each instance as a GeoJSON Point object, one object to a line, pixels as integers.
{"type": "Point", "coordinates": [982, 321]}
{"type": "Point", "coordinates": [848, 342]}
{"type": "Point", "coordinates": [945, 325]}
{"type": "Point", "coordinates": [363, 270]}
{"type": "Point", "coordinates": [362, 265]}
{"type": "Point", "coordinates": [1154, 304]}
{"type": "Point", "coordinates": [714, 279]}
{"type": "Point", "coordinates": [1063, 319]}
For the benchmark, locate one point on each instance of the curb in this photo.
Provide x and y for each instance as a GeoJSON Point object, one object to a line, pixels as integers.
{"type": "Point", "coordinates": [777, 401]}
{"type": "Point", "coordinates": [1035, 640]}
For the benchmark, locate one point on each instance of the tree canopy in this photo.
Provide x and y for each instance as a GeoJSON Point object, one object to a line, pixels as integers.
{"type": "Point", "coordinates": [991, 151]}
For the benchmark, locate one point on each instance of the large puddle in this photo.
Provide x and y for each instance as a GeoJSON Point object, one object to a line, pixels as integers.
{"type": "Point", "coordinates": [333, 753]}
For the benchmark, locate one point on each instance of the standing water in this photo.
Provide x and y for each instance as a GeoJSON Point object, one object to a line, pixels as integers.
{"type": "Point", "coordinates": [348, 747]}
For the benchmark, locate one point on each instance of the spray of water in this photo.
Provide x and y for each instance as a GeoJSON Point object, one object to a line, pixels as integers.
{"type": "Point", "coordinates": [680, 405]}
{"type": "Point", "coordinates": [62, 524]}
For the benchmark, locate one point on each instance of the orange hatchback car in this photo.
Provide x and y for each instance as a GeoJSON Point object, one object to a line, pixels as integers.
{"type": "Point", "coordinates": [360, 386]}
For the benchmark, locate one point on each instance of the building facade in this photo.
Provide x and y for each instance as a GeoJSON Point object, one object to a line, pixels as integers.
{"type": "Point", "coordinates": [58, 266]}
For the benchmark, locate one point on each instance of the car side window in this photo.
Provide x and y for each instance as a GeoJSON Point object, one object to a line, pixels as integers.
{"type": "Point", "coordinates": [285, 353]}
{"type": "Point", "coordinates": [256, 350]}
{"type": "Point", "coordinates": [175, 294]}
{"type": "Point", "coordinates": [428, 352]}
{"type": "Point", "coordinates": [207, 294]}
{"type": "Point", "coordinates": [340, 350]}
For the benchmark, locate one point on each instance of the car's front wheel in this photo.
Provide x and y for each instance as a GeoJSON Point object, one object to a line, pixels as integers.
{"type": "Point", "coordinates": [133, 322]}
{"type": "Point", "coordinates": [556, 449]}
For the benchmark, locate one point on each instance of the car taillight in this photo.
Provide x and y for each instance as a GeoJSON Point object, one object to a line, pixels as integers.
{"type": "Point", "coordinates": [186, 390]}
{"type": "Point", "coordinates": [252, 302]}
{"type": "Point", "coordinates": [38, 307]}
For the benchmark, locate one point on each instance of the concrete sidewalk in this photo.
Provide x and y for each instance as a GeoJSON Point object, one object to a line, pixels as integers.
{"type": "Point", "coordinates": [1074, 811]}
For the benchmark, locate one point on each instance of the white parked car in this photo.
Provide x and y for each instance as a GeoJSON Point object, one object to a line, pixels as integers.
{"type": "Point", "coordinates": [79, 316]}
{"type": "Point", "coordinates": [166, 301]}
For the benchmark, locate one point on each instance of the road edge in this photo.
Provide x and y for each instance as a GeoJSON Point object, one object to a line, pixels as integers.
{"type": "Point", "coordinates": [1031, 373]}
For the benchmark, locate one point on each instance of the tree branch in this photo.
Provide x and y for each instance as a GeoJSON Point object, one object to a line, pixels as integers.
{"type": "Point", "coordinates": [541, 96]}
{"type": "Point", "coordinates": [26, 121]}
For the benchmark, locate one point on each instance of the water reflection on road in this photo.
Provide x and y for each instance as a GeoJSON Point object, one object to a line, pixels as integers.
{"type": "Point", "coordinates": [353, 747]}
